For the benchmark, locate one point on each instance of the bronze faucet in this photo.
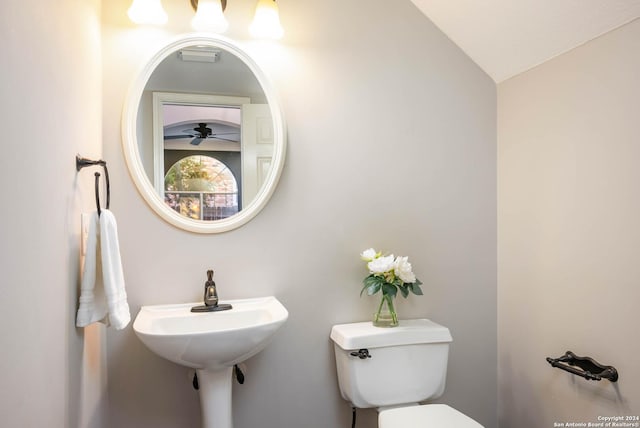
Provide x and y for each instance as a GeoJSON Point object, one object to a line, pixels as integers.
{"type": "Point", "coordinates": [211, 297]}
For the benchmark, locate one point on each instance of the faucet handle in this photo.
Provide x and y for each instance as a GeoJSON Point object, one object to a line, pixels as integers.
{"type": "Point", "coordinates": [210, 292]}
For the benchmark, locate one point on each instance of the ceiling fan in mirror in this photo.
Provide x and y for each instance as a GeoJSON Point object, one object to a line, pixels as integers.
{"type": "Point", "coordinates": [203, 132]}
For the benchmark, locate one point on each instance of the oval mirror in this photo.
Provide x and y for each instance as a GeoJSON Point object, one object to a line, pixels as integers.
{"type": "Point", "coordinates": [203, 134]}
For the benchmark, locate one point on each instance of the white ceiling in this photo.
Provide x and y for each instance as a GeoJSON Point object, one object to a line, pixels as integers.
{"type": "Point", "coordinates": [507, 37]}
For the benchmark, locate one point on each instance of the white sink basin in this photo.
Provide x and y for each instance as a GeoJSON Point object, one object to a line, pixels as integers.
{"type": "Point", "coordinates": [210, 340]}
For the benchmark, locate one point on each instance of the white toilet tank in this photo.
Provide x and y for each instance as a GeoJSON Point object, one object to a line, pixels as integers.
{"type": "Point", "coordinates": [407, 363]}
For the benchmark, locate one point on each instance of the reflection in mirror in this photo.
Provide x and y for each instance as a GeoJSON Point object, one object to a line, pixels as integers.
{"type": "Point", "coordinates": [187, 130]}
{"type": "Point", "coordinates": [203, 135]}
{"type": "Point", "coordinates": [216, 110]}
{"type": "Point", "coordinates": [200, 152]}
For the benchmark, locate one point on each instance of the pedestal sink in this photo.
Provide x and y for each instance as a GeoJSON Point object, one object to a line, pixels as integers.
{"type": "Point", "coordinates": [212, 343]}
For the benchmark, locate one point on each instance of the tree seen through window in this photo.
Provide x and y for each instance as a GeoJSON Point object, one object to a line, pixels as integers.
{"type": "Point", "coordinates": [202, 188]}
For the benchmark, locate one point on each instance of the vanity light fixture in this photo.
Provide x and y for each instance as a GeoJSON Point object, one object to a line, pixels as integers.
{"type": "Point", "coordinates": [266, 22]}
{"type": "Point", "coordinates": [147, 12]}
{"type": "Point", "coordinates": [209, 16]}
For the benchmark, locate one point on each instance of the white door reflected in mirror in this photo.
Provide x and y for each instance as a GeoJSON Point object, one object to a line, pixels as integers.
{"type": "Point", "coordinates": [257, 149]}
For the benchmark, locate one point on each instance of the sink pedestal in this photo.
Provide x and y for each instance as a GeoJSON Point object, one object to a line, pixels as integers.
{"type": "Point", "coordinates": [215, 397]}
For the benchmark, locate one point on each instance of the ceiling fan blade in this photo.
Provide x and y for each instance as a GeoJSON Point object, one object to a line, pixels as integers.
{"type": "Point", "coordinates": [224, 133]}
{"type": "Point", "coordinates": [226, 139]}
{"type": "Point", "coordinates": [196, 141]}
{"type": "Point", "coordinates": [177, 137]}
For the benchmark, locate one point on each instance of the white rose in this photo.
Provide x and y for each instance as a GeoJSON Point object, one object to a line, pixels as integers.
{"type": "Point", "coordinates": [402, 269]}
{"type": "Point", "coordinates": [368, 255]}
{"type": "Point", "coordinates": [381, 264]}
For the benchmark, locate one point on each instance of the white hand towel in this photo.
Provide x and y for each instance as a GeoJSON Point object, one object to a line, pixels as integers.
{"type": "Point", "coordinates": [93, 305]}
{"type": "Point", "coordinates": [102, 296]}
{"type": "Point", "coordinates": [112, 275]}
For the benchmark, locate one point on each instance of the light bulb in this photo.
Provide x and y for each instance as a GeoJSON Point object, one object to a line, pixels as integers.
{"type": "Point", "coordinates": [209, 17]}
{"type": "Point", "coordinates": [147, 12]}
{"type": "Point", "coordinates": [266, 22]}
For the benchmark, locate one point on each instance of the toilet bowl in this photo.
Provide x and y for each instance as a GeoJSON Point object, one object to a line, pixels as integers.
{"type": "Point", "coordinates": [393, 369]}
{"type": "Point", "coordinates": [425, 416]}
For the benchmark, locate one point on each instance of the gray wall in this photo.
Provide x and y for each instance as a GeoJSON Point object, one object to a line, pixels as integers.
{"type": "Point", "coordinates": [568, 210]}
{"type": "Point", "coordinates": [348, 87]}
{"type": "Point", "coordinates": [50, 110]}
{"type": "Point", "coordinates": [413, 120]}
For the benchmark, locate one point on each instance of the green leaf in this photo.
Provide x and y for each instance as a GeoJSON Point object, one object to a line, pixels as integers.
{"type": "Point", "coordinates": [405, 292]}
{"type": "Point", "coordinates": [389, 289]}
{"type": "Point", "coordinates": [363, 288]}
{"type": "Point", "coordinates": [373, 289]}
{"type": "Point", "coordinates": [415, 288]}
{"type": "Point", "coordinates": [370, 289]}
{"type": "Point", "coordinates": [372, 279]}
{"type": "Point", "coordinates": [372, 285]}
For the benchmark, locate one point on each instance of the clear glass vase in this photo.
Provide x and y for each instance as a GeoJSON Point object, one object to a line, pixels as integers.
{"type": "Point", "coordinates": [386, 315]}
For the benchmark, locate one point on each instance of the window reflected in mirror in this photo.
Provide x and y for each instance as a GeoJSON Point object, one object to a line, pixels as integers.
{"type": "Point", "coordinates": [201, 188]}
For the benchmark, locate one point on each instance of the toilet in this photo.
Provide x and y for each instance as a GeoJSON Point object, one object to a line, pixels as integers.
{"type": "Point", "coordinates": [393, 369]}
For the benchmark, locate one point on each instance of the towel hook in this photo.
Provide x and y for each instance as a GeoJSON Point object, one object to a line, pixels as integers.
{"type": "Point", "coordinates": [84, 162]}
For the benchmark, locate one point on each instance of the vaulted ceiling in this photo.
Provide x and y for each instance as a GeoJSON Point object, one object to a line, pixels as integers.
{"type": "Point", "coordinates": [507, 37]}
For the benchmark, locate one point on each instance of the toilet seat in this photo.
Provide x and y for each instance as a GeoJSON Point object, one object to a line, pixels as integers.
{"type": "Point", "coordinates": [425, 416]}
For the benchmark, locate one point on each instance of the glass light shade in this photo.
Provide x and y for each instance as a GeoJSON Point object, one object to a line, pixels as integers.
{"type": "Point", "coordinates": [266, 22]}
{"type": "Point", "coordinates": [209, 17]}
{"type": "Point", "coordinates": [147, 12]}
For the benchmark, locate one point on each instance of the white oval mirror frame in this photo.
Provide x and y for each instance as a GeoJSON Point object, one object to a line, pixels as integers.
{"type": "Point", "coordinates": [132, 155]}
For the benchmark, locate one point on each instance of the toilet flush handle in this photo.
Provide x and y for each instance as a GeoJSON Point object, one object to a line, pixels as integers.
{"type": "Point", "coordinates": [363, 354]}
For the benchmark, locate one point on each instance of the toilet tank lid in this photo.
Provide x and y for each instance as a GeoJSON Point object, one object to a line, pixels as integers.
{"type": "Point", "coordinates": [409, 332]}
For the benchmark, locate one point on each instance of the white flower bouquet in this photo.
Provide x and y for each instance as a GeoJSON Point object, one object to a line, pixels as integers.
{"type": "Point", "coordinates": [388, 274]}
